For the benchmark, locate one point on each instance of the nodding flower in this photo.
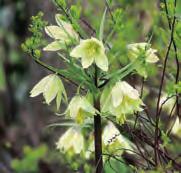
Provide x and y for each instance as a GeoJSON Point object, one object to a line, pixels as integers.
{"type": "Point", "coordinates": [80, 109]}
{"type": "Point", "coordinates": [146, 54]}
{"type": "Point", "coordinates": [122, 99]}
{"type": "Point", "coordinates": [72, 139]}
{"type": "Point", "coordinates": [51, 87]}
{"type": "Point", "coordinates": [90, 51]}
{"type": "Point", "coordinates": [63, 34]}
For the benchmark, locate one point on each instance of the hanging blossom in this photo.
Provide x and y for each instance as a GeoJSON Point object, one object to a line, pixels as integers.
{"type": "Point", "coordinates": [147, 55]}
{"type": "Point", "coordinates": [72, 139]}
{"type": "Point", "coordinates": [51, 87]}
{"type": "Point", "coordinates": [114, 141]}
{"type": "Point", "coordinates": [91, 50]}
{"type": "Point", "coordinates": [121, 100]}
{"type": "Point", "coordinates": [80, 109]}
{"type": "Point", "coordinates": [63, 34]}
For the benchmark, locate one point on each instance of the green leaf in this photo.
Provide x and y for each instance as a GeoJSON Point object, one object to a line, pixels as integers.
{"type": "Point", "coordinates": [101, 30]}
{"type": "Point", "coordinates": [61, 3]}
{"type": "Point", "coordinates": [75, 11]}
{"type": "Point", "coordinates": [114, 165]}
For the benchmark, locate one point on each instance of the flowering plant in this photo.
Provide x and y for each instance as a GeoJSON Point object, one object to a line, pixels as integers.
{"type": "Point", "coordinates": [105, 104]}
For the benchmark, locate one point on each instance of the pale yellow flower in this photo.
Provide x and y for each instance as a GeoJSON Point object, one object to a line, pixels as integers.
{"type": "Point", "coordinates": [91, 50]}
{"type": "Point", "coordinates": [142, 50]}
{"type": "Point", "coordinates": [79, 109]}
{"type": "Point", "coordinates": [63, 34]}
{"type": "Point", "coordinates": [120, 100]}
{"type": "Point", "coordinates": [114, 141]}
{"type": "Point", "coordinates": [51, 87]}
{"type": "Point", "coordinates": [71, 139]}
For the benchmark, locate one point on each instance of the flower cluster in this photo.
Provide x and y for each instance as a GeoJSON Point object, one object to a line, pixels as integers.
{"type": "Point", "coordinates": [117, 99]}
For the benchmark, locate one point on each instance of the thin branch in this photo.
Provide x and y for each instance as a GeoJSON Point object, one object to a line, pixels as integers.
{"type": "Point", "coordinates": [161, 87]}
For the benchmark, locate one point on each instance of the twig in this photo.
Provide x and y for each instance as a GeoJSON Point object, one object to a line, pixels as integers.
{"type": "Point", "coordinates": [158, 112]}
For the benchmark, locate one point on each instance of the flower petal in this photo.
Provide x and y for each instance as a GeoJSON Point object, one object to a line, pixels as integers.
{"type": "Point", "coordinates": [78, 51]}
{"type": "Point", "coordinates": [117, 95]}
{"type": "Point", "coordinates": [86, 106]}
{"type": "Point", "coordinates": [40, 86]}
{"type": "Point", "coordinates": [78, 143]}
{"type": "Point", "coordinates": [152, 57]}
{"type": "Point", "coordinates": [54, 46]}
{"type": "Point", "coordinates": [52, 89]}
{"type": "Point", "coordinates": [65, 141]}
{"type": "Point", "coordinates": [87, 61]}
{"type": "Point", "coordinates": [102, 61]}
{"type": "Point", "coordinates": [56, 32]}
{"type": "Point", "coordinates": [74, 106]}
{"type": "Point", "coordinates": [129, 90]}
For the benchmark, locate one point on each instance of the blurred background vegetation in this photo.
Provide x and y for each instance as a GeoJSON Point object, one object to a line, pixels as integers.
{"type": "Point", "coordinates": [25, 139]}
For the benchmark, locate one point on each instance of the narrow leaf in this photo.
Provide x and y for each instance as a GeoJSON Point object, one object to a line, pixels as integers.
{"type": "Point", "coordinates": [101, 31]}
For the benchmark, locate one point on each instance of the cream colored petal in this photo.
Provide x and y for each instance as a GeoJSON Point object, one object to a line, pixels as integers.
{"type": "Point", "coordinates": [86, 106]}
{"type": "Point", "coordinates": [74, 107]}
{"type": "Point", "coordinates": [66, 26]}
{"type": "Point", "coordinates": [54, 46]}
{"type": "Point", "coordinates": [102, 62]}
{"type": "Point", "coordinates": [58, 99]}
{"type": "Point", "coordinates": [110, 132]}
{"type": "Point", "coordinates": [65, 141]}
{"type": "Point", "coordinates": [40, 86]}
{"type": "Point", "coordinates": [78, 51]}
{"type": "Point", "coordinates": [152, 58]}
{"type": "Point", "coordinates": [52, 89]}
{"type": "Point", "coordinates": [56, 32]}
{"type": "Point", "coordinates": [87, 61]}
{"type": "Point", "coordinates": [78, 142]}
{"type": "Point", "coordinates": [117, 95]}
{"type": "Point", "coordinates": [129, 90]}
{"type": "Point", "coordinates": [62, 23]}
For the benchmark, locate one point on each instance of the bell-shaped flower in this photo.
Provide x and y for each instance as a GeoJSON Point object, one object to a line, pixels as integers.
{"type": "Point", "coordinates": [63, 34]}
{"type": "Point", "coordinates": [51, 87]}
{"type": "Point", "coordinates": [145, 53]}
{"type": "Point", "coordinates": [72, 139]}
{"type": "Point", "coordinates": [114, 141]}
{"type": "Point", "coordinates": [120, 100]}
{"type": "Point", "coordinates": [91, 50]}
{"type": "Point", "coordinates": [80, 109]}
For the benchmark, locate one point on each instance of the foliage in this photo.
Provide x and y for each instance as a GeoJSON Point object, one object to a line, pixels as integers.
{"type": "Point", "coordinates": [36, 41]}
{"type": "Point", "coordinates": [30, 160]}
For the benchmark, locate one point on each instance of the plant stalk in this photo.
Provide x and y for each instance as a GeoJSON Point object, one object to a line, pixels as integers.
{"type": "Point", "coordinates": [97, 131]}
